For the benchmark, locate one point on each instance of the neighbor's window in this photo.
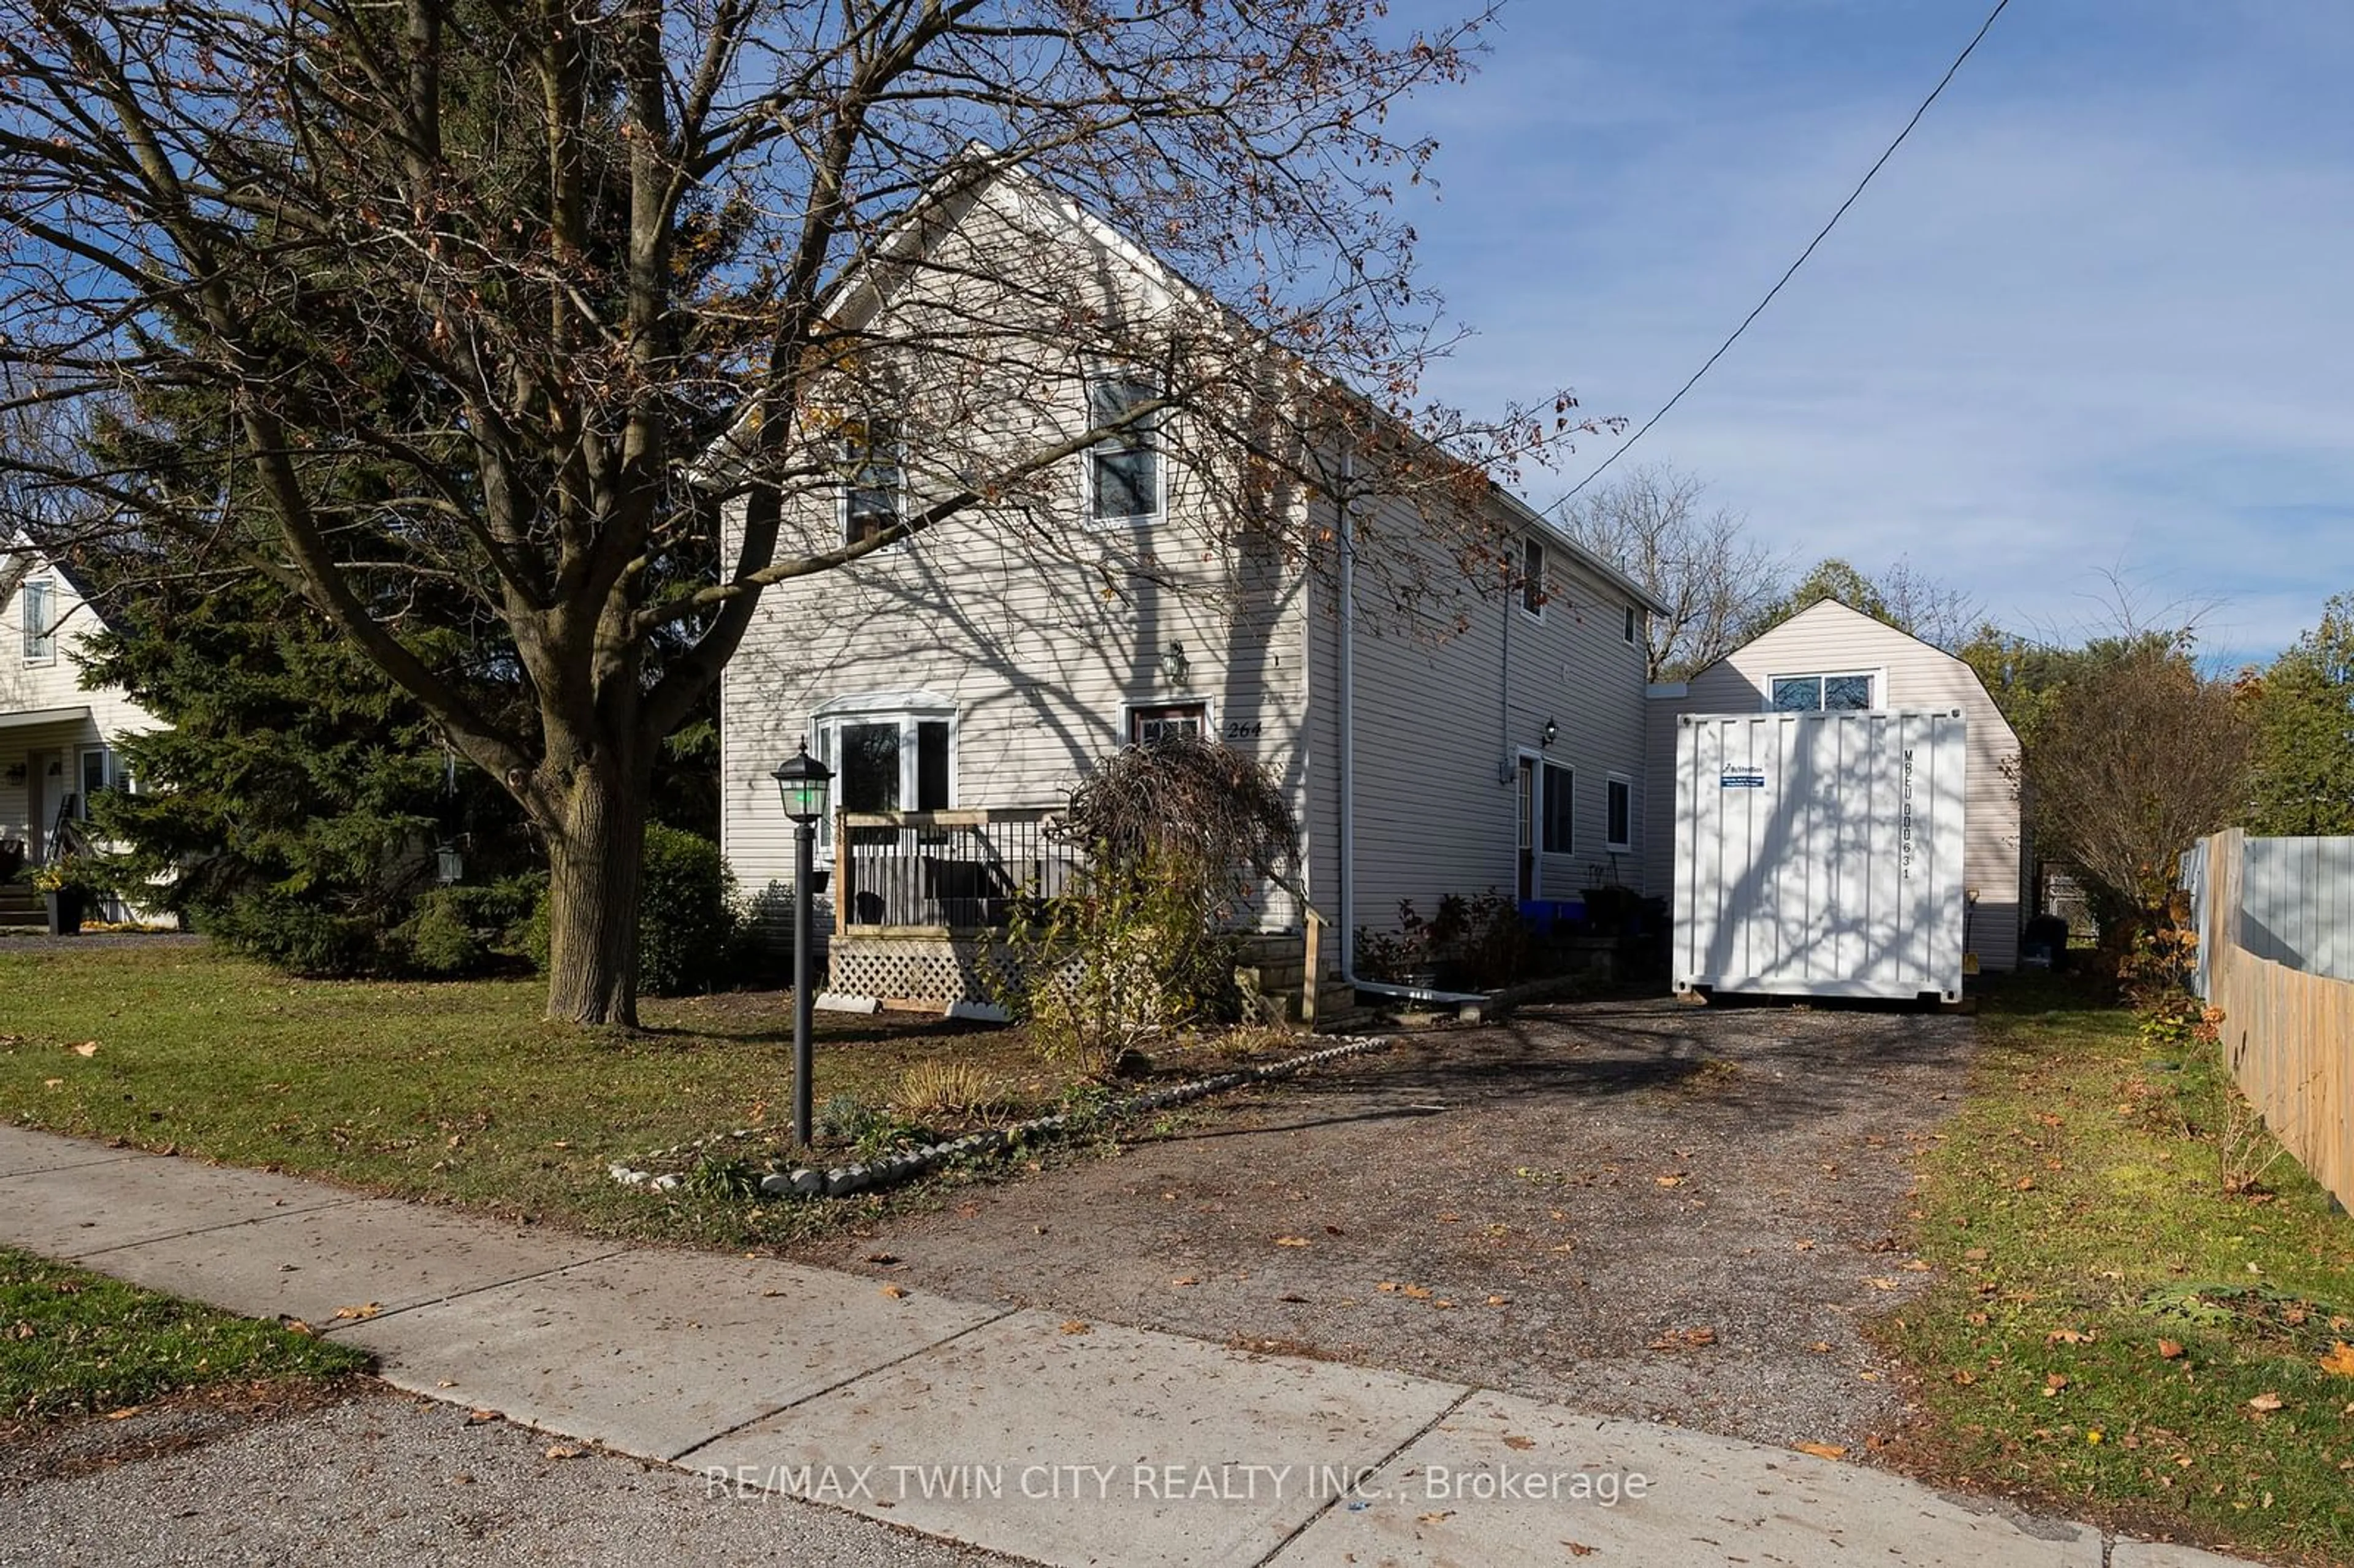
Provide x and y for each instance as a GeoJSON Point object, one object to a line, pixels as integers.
{"type": "Point", "coordinates": [1634, 626]}
{"type": "Point", "coordinates": [1146, 726]}
{"type": "Point", "coordinates": [1533, 576]}
{"type": "Point", "coordinates": [41, 605]}
{"type": "Point", "coordinates": [1622, 814]}
{"type": "Point", "coordinates": [1124, 467]}
{"type": "Point", "coordinates": [1560, 809]}
{"type": "Point", "coordinates": [887, 761]}
{"type": "Point", "coordinates": [1848, 691]}
{"type": "Point", "coordinates": [875, 483]}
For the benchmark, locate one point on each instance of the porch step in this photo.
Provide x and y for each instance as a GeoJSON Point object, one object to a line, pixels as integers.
{"type": "Point", "coordinates": [20, 905]}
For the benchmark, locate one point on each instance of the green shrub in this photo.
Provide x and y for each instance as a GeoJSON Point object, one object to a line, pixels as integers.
{"type": "Point", "coordinates": [687, 918]}
{"type": "Point", "coordinates": [287, 934]}
{"type": "Point", "coordinates": [1123, 960]}
{"type": "Point", "coordinates": [438, 940]}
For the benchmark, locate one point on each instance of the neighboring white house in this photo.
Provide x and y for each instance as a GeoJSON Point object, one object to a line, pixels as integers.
{"type": "Point", "coordinates": [56, 740]}
{"type": "Point", "coordinates": [984, 666]}
{"type": "Point", "coordinates": [1829, 657]}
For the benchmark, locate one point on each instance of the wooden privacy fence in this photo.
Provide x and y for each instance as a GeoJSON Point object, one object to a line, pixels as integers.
{"type": "Point", "coordinates": [2288, 1035]}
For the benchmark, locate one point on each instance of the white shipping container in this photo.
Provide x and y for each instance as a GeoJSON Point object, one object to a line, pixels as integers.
{"type": "Point", "coordinates": [1820, 854]}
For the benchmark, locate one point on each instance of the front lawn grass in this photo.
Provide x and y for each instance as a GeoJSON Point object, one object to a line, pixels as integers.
{"type": "Point", "coordinates": [458, 1092]}
{"type": "Point", "coordinates": [2110, 1332]}
{"type": "Point", "coordinates": [73, 1343]}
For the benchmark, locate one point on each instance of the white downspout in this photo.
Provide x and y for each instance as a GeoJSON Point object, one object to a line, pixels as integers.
{"type": "Point", "coordinates": [1347, 695]}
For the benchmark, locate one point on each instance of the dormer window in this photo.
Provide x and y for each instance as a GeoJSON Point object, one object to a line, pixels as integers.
{"type": "Point", "coordinates": [1839, 692]}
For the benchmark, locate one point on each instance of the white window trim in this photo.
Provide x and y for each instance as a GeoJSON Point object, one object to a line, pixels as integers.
{"type": "Point", "coordinates": [48, 589]}
{"type": "Point", "coordinates": [1545, 762]}
{"type": "Point", "coordinates": [1211, 727]}
{"type": "Point", "coordinates": [1878, 675]}
{"type": "Point", "coordinates": [910, 708]}
{"type": "Point", "coordinates": [1544, 576]}
{"type": "Point", "coordinates": [1608, 841]}
{"type": "Point", "coordinates": [1148, 433]}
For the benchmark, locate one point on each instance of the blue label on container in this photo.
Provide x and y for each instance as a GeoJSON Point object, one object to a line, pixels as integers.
{"type": "Point", "coordinates": [1744, 779]}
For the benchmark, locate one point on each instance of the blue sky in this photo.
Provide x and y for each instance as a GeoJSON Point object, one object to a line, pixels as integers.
{"type": "Point", "coordinates": [2098, 315]}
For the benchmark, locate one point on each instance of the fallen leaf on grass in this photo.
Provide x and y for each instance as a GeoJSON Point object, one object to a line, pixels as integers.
{"type": "Point", "coordinates": [1965, 1377]}
{"type": "Point", "coordinates": [2025, 1184]}
{"type": "Point", "coordinates": [2070, 1336]}
{"type": "Point", "coordinates": [1877, 1283]}
{"type": "Point", "coordinates": [2339, 1361]}
{"type": "Point", "coordinates": [894, 1291]}
{"type": "Point", "coordinates": [1974, 1255]}
{"type": "Point", "coordinates": [2267, 1403]}
{"type": "Point", "coordinates": [1292, 1241]}
{"type": "Point", "coordinates": [358, 1314]}
{"type": "Point", "coordinates": [1918, 1265]}
{"type": "Point", "coordinates": [86, 1048]}
{"type": "Point", "coordinates": [1824, 1450]}
{"type": "Point", "coordinates": [2054, 1382]}
{"type": "Point", "coordinates": [125, 1414]}
{"type": "Point", "coordinates": [1820, 1347]}
{"type": "Point", "coordinates": [296, 1326]}
{"type": "Point", "coordinates": [1076, 1326]}
{"type": "Point", "coordinates": [2170, 1349]}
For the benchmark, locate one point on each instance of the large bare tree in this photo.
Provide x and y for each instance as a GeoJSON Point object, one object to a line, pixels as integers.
{"type": "Point", "coordinates": [1652, 525]}
{"type": "Point", "coordinates": [463, 293]}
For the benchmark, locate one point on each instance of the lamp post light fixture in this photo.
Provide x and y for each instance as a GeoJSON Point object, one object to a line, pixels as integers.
{"type": "Point", "coordinates": [802, 783]}
{"type": "Point", "coordinates": [1174, 663]}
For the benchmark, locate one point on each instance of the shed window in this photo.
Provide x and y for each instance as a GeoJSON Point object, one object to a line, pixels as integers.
{"type": "Point", "coordinates": [1845, 692]}
{"type": "Point", "coordinates": [1560, 809]}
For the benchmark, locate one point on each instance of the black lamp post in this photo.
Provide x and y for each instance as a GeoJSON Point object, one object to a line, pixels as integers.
{"type": "Point", "coordinates": [802, 782]}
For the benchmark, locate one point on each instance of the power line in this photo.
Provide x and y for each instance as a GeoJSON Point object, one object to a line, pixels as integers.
{"type": "Point", "coordinates": [1967, 49]}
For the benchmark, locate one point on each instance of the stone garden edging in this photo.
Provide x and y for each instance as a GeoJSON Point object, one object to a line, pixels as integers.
{"type": "Point", "coordinates": [843, 1181]}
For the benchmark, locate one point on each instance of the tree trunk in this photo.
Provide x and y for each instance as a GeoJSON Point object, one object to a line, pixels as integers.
{"type": "Point", "coordinates": [596, 860]}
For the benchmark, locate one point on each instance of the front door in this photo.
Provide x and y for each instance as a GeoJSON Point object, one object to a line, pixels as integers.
{"type": "Point", "coordinates": [1528, 833]}
{"type": "Point", "coordinates": [38, 802]}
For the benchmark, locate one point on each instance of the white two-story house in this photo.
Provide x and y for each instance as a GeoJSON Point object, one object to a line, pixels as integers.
{"type": "Point", "coordinates": [56, 740]}
{"type": "Point", "coordinates": [1451, 692]}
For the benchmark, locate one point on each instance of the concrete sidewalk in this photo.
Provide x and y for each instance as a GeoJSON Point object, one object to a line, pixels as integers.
{"type": "Point", "coordinates": [1064, 1442]}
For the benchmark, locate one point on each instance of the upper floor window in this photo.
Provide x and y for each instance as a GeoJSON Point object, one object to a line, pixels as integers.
{"type": "Point", "coordinates": [40, 607]}
{"type": "Point", "coordinates": [1533, 576]}
{"type": "Point", "coordinates": [1634, 632]}
{"type": "Point", "coordinates": [1123, 469]}
{"type": "Point", "coordinates": [1840, 691]}
{"type": "Point", "coordinates": [874, 482]}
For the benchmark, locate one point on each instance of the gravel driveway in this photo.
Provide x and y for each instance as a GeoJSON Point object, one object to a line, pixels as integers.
{"type": "Point", "coordinates": [1639, 1208]}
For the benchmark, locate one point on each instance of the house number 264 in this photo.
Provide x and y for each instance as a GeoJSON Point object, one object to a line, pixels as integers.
{"type": "Point", "coordinates": [1237, 729]}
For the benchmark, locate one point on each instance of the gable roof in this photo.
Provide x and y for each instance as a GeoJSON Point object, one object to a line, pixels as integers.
{"type": "Point", "coordinates": [980, 169]}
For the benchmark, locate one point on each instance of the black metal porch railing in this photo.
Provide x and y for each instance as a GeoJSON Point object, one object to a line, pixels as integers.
{"type": "Point", "coordinates": [957, 870]}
